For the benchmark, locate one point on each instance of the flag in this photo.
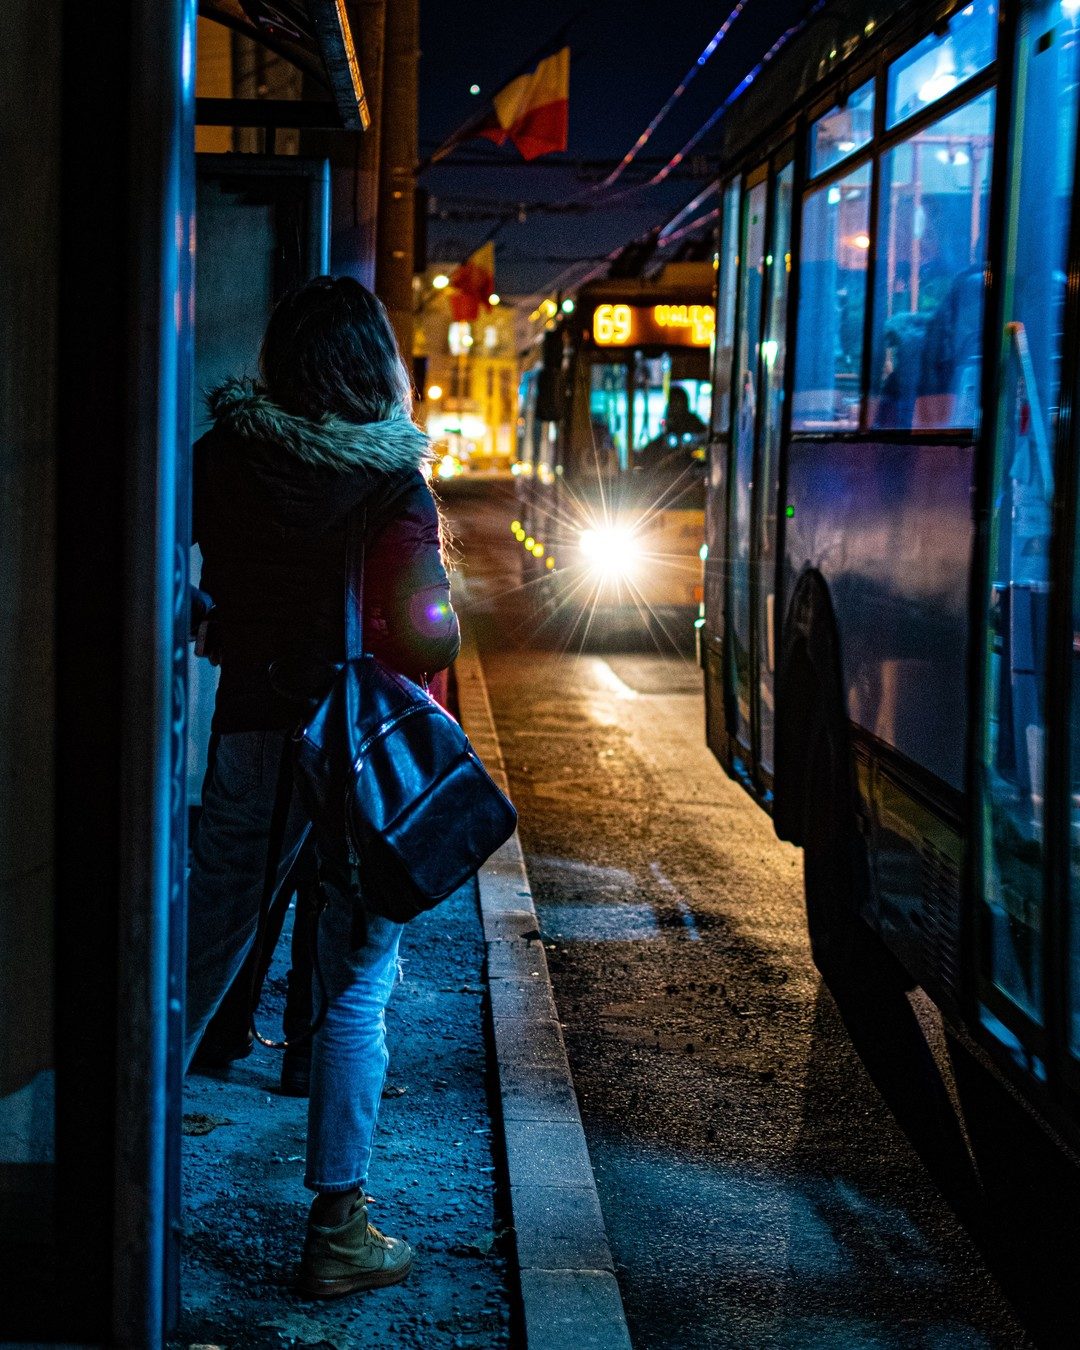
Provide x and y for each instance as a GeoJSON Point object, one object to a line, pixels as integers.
{"type": "Point", "coordinates": [471, 284]}
{"type": "Point", "coordinates": [532, 111]}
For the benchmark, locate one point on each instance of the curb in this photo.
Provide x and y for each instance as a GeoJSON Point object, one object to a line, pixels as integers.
{"type": "Point", "coordinates": [569, 1293]}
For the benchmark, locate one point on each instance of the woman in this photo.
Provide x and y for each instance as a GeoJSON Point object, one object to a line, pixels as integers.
{"type": "Point", "coordinates": [328, 428]}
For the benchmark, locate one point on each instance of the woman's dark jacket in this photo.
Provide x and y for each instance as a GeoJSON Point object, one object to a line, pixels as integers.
{"type": "Point", "coordinates": [272, 495]}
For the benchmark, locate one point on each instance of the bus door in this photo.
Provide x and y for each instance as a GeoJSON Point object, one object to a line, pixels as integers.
{"type": "Point", "coordinates": [1026, 934]}
{"type": "Point", "coordinates": [770, 427]}
{"type": "Point", "coordinates": [739, 625]}
{"type": "Point", "coordinates": [718, 716]}
{"type": "Point", "coordinates": [757, 423]}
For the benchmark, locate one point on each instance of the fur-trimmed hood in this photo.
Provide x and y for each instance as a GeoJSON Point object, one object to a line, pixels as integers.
{"type": "Point", "coordinates": [244, 409]}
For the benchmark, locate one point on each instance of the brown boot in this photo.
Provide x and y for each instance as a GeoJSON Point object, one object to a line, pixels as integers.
{"type": "Point", "coordinates": [355, 1255]}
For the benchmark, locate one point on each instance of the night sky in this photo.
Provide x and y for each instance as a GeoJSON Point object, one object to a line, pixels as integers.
{"type": "Point", "coordinates": [627, 57]}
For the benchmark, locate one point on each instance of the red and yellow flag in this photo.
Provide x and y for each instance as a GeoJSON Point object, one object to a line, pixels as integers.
{"type": "Point", "coordinates": [471, 284]}
{"type": "Point", "coordinates": [533, 111]}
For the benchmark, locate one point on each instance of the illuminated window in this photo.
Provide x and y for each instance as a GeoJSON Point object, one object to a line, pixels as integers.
{"type": "Point", "coordinates": [936, 65]}
{"type": "Point", "coordinates": [728, 268]}
{"type": "Point", "coordinates": [460, 338]}
{"type": "Point", "coordinates": [832, 304]}
{"type": "Point", "coordinates": [842, 131]}
{"type": "Point", "coordinates": [608, 417]}
{"type": "Point", "coordinates": [928, 306]}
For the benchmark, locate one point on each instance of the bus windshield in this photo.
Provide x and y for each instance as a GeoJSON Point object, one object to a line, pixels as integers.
{"type": "Point", "coordinates": [646, 424]}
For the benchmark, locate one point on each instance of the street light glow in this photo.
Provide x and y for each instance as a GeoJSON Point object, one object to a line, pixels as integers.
{"type": "Point", "coordinates": [494, 299]}
{"type": "Point", "coordinates": [440, 282]}
{"type": "Point", "coordinates": [434, 391]}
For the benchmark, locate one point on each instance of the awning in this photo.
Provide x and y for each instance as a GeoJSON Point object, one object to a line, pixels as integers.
{"type": "Point", "coordinates": [313, 35]}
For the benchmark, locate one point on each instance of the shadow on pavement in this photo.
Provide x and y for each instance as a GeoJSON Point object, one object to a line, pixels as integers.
{"type": "Point", "coordinates": [1015, 1190]}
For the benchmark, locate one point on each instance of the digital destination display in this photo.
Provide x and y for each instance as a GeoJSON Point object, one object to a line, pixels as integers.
{"type": "Point", "coordinates": [618, 325]}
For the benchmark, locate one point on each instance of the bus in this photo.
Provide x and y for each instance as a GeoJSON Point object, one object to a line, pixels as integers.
{"type": "Point", "coordinates": [892, 607]}
{"type": "Point", "coordinates": [611, 452]}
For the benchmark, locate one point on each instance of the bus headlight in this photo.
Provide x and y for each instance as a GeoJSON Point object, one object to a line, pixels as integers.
{"type": "Point", "coordinates": [611, 550]}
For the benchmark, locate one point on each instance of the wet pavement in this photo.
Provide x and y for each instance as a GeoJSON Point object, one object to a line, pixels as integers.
{"type": "Point", "coordinates": [757, 1185]}
{"type": "Point", "coordinates": [433, 1176]}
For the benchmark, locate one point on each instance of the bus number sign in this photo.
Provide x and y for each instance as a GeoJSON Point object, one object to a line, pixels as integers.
{"type": "Point", "coordinates": [615, 325]}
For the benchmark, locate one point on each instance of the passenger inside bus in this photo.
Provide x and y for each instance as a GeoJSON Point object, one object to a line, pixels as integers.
{"type": "Point", "coordinates": [683, 432]}
{"type": "Point", "coordinates": [930, 361]}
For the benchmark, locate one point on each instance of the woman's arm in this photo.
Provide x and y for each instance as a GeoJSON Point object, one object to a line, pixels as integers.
{"type": "Point", "coordinates": [410, 622]}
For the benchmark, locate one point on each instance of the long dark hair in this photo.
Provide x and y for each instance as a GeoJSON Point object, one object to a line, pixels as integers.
{"type": "Point", "coordinates": [329, 349]}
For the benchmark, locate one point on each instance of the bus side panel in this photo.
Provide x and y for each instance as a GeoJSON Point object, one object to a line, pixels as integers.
{"type": "Point", "coordinates": [888, 527]}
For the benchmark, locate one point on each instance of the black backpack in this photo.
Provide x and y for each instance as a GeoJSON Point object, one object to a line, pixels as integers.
{"type": "Point", "coordinates": [384, 769]}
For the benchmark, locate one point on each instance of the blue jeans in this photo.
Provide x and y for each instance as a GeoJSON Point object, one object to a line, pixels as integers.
{"type": "Point", "coordinates": [349, 1059]}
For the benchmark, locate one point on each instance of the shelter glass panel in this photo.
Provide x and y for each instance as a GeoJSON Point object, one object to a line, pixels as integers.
{"type": "Point", "coordinates": [728, 269]}
{"type": "Point", "coordinates": [832, 303]}
{"type": "Point", "coordinates": [931, 251]}
{"type": "Point", "coordinates": [936, 65]}
{"type": "Point", "coordinates": [751, 282]}
{"type": "Point", "coordinates": [842, 130]}
{"type": "Point", "coordinates": [1013, 739]}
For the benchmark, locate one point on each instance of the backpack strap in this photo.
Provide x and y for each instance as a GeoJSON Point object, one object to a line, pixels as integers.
{"type": "Point", "coordinates": [355, 552]}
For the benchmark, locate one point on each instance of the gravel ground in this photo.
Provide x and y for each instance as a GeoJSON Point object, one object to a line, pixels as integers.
{"type": "Point", "coordinates": [433, 1177]}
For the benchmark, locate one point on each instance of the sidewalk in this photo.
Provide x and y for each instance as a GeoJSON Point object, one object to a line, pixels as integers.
{"type": "Point", "coordinates": [480, 1161]}
{"type": "Point", "coordinates": [433, 1176]}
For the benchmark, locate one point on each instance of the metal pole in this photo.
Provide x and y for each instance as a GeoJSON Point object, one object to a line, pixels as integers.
{"type": "Point", "coordinates": [397, 170]}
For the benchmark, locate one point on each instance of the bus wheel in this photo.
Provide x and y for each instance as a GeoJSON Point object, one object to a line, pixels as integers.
{"type": "Point", "coordinates": [836, 871]}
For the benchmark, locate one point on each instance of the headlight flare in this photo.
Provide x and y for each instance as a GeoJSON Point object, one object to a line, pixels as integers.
{"type": "Point", "coordinates": [612, 551]}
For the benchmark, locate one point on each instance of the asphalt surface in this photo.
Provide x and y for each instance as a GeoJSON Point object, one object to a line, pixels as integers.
{"type": "Point", "coordinates": [764, 1181]}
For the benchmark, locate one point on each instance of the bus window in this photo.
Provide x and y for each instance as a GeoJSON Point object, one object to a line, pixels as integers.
{"type": "Point", "coordinates": [728, 266]}
{"type": "Point", "coordinates": [931, 250]}
{"type": "Point", "coordinates": [1013, 737]}
{"type": "Point", "coordinates": [842, 131]}
{"type": "Point", "coordinates": [936, 65]}
{"type": "Point", "coordinates": [832, 302]}
{"type": "Point", "coordinates": [608, 416]}
{"type": "Point", "coordinates": [748, 345]}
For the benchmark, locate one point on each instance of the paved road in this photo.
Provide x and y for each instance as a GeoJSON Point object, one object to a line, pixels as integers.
{"type": "Point", "coordinates": [757, 1188]}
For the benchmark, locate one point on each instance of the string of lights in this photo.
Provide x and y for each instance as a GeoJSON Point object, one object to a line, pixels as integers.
{"type": "Point", "coordinates": [677, 94]}
{"type": "Point", "coordinates": [744, 84]}
{"type": "Point", "coordinates": [691, 206]}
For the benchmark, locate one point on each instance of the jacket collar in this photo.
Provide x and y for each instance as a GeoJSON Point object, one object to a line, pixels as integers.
{"type": "Point", "coordinates": [244, 409]}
